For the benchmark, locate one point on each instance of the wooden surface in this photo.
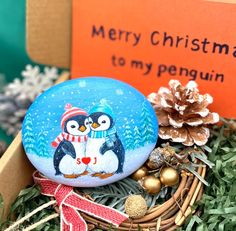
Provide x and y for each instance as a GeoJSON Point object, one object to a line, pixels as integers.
{"type": "Point", "coordinates": [48, 31]}
{"type": "Point", "coordinates": [15, 168]}
{"type": "Point", "coordinates": [15, 172]}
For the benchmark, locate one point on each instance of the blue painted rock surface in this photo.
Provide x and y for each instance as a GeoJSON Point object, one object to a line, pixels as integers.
{"type": "Point", "coordinates": [89, 131]}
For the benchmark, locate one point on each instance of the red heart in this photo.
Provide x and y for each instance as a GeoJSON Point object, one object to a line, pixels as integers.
{"type": "Point", "coordinates": [86, 160]}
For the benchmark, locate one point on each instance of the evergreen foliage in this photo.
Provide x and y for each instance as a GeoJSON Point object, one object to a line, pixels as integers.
{"type": "Point", "coordinates": [128, 137]}
{"type": "Point", "coordinates": [34, 145]}
{"type": "Point", "coordinates": [137, 137]}
{"type": "Point", "coordinates": [148, 133]}
{"type": "Point", "coordinates": [29, 139]}
{"type": "Point", "coordinates": [41, 145]}
{"type": "Point", "coordinates": [114, 195]}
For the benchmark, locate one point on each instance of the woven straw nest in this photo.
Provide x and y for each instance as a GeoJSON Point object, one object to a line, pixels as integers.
{"type": "Point", "coordinates": [168, 216]}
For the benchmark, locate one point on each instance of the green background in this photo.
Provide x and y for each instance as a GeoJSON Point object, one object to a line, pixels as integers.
{"type": "Point", "coordinates": [13, 56]}
{"type": "Point", "coordinates": [12, 38]}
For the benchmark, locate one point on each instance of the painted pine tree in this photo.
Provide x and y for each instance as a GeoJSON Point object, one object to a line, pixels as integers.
{"type": "Point", "coordinates": [128, 137]}
{"type": "Point", "coordinates": [41, 145]}
{"type": "Point", "coordinates": [137, 138]}
{"type": "Point", "coordinates": [29, 139]}
{"type": "Point", "coordinates": [148, 132]}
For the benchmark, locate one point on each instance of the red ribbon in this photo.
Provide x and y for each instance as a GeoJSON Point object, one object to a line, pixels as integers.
{"type": "Point", "coordinates": [69, 202]}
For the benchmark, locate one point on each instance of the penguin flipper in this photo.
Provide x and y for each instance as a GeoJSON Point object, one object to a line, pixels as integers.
{"type": "Point", "coordinates": [58, 172]}
{"type": "Point", "coordinates": [104, 148]}
{"type": "Point", "coordinates": [109, 144]}
{"type": "Point", "coordinates": [68, 149]}
{"type": "Point", "coordinates": [120, 152]}
{"type": "Point", "coordinates": [64, 148]}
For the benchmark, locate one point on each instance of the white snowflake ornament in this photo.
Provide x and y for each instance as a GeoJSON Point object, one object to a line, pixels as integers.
{"type": "Point", "coordinates": [18, 95]}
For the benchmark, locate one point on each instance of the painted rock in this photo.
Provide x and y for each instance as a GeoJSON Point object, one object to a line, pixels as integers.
{"type": "Point", "coordinates": [89, 131]}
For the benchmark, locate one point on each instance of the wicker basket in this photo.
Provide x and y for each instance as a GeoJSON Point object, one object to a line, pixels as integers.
{"type": "Point", "coordinates": [167, 216]}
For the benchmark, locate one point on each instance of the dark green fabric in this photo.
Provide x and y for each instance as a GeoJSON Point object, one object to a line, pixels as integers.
{"type": "Point", "coordinates": [13, 57]}
{"type": "Point", "coordinates": [5, 137]}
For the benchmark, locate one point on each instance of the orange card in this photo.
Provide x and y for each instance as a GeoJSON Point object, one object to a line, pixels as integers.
{"type": "Point", "coordinates": [147, 43]}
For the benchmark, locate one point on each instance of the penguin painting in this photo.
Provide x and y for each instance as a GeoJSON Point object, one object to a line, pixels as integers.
{"type": "Point", "coordinates": [104, 146]}
{"type": "Point", "coordinates": [69, 157]}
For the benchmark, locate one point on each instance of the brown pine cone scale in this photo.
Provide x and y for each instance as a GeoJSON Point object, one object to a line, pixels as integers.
{"type": "Point", "coordinates": [182, 113]}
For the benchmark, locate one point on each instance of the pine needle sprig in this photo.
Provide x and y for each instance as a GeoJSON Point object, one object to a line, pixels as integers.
{"type": "Point", "coordinates": [114, 195]}
{"type": "Point", "coordinates": [28, 200]}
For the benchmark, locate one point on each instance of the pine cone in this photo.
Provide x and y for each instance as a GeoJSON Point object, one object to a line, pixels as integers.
{"type": "Point", "coordinates": [159, 156]}
{"type": "Point", "coordinates": [156, 159]}
{"type": "Point", "coordinates": [182, 113]}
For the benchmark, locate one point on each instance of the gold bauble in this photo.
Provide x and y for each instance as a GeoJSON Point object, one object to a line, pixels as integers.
{"type": "Point", "coordinates": [151, 184]}
{"type": "Point", "coordinates": [169, 176]}
{"type": "Point", "coordinates": [140, 173]}
{"type": "Point", "coordinates": [135, 206]}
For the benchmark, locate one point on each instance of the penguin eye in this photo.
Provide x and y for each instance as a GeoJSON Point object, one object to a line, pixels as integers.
{"type": "Point", "coordinates": [90, 120]}
{"type": "Point", "coordinates": [72, 126]}
{"type": "Point", "coordinates": [87, 123]}
{"type": "Point", "coordinates": [104, 121]}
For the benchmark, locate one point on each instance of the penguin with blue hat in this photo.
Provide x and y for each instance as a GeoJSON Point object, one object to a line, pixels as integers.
{"type": "Point", "coordinates": [104, 146]}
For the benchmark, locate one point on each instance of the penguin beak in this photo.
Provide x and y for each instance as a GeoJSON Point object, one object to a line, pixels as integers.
{"type": "Point", "coordinates": [95, 125]}
{"type": "Point", "coordinates": [82, 128]}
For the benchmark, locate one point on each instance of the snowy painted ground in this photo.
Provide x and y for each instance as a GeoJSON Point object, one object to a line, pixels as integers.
{"type": "Point", "coordinates": [134, 160]}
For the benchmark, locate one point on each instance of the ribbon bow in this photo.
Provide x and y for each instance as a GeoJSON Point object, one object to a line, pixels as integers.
{"type": "Point", "coordinates": [69, 203]}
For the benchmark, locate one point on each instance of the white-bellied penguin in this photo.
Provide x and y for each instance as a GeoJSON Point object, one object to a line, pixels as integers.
{"type": "Point", "coordinates": [69, 157]}
{"type": "Point", "coordinates": [104, 146]}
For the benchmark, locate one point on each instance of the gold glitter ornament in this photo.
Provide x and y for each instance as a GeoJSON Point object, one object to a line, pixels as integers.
{"type": "Point", "coordinates": [140, 173]}
{"type": "Point", "coordinates": [169, 176]}
{"type": "Point", "coordinates": [135, 206]}
{"type": "Point", "coordinates": [151, 184]}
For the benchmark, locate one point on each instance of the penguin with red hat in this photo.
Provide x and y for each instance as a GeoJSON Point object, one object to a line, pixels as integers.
{"type": "Point", "coordinates": [69, 157]}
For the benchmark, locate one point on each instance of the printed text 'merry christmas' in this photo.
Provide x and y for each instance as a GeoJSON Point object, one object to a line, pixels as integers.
{"type": "Point", "coordinates": [117, 35]}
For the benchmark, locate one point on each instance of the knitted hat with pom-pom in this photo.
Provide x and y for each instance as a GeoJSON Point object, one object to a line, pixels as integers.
{"type": "Point", "coordinates": [104, 107]}
{"type": "Point", "coordinates": [70, 112]}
